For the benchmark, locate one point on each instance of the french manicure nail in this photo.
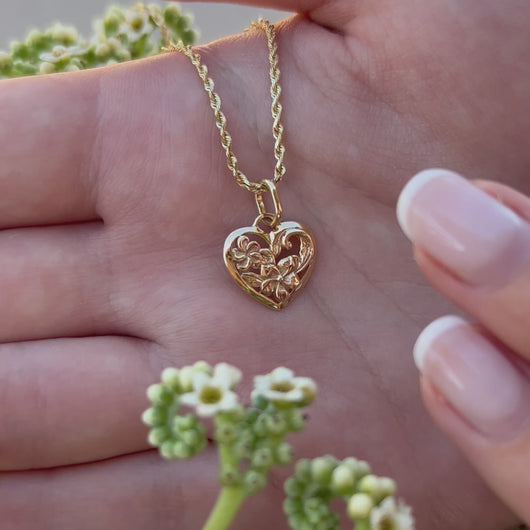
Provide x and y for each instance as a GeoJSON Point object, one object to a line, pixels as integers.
{"type": "Point", "coordinates": [462, 227]}
{"type": "Point", "coordinates": [475, 377]}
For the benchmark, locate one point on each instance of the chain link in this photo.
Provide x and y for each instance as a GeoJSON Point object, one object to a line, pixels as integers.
{"type": "Point", "coordinates": [220, 119]}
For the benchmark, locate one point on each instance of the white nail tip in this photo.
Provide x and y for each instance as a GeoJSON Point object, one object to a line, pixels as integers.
{"type": "Point", "coordinates": [411, 189]}
{"type": "Point", "coordinates": [434, 330]}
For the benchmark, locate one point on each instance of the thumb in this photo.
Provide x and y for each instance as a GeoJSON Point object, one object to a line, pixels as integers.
{"type": "Point", "coordinates": [473, 243]}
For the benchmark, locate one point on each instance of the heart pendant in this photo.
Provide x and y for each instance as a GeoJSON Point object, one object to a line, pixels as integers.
{"type": "Point", "coordinates": [272, 266]}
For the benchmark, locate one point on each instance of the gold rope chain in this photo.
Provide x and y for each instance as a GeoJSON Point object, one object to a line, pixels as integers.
{"type": "Point", "coordinates": [215, 103]}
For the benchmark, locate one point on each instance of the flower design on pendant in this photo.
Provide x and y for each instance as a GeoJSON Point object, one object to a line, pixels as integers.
{"type": "Point", "coordinates": [271, 266]}
{"type": "Point", "coordinates": [281, 280]}
{"type": "Point", "coordinates": [248, 254]}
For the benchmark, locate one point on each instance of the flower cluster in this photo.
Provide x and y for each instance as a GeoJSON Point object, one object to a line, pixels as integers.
{"type": "Point", "coordinates": [176, 436]}
{"type": "Point", "coordinates": [251, 440]}
{"type": "Point", "coordinates": [121, 35]}
{"type": "Point", "coordinates": [370, 499]}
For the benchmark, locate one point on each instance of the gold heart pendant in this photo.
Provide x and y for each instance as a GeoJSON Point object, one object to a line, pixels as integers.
{"type": "Point", "coordinates": [271, 265]}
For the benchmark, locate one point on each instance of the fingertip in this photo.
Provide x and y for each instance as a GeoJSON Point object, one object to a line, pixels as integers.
{"type": "Point", "coordinates": [409, 192]}
{"type": "Point", "coordinates": [433, 331]}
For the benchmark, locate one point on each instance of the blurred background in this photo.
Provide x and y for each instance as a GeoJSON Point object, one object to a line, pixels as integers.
{"type": "Point", "coordinates": [213, 20]}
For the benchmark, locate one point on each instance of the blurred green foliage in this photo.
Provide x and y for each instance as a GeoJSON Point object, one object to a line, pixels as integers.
{"type": "Point", "coordinates": [120, 35]}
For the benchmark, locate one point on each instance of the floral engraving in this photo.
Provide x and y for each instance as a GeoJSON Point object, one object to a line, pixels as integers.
{"type": "Point", "coordinates": [261, 270]}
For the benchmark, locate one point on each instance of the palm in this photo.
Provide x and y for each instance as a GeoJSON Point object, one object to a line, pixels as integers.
{"type": "Point", "coordinates": [147, 288]}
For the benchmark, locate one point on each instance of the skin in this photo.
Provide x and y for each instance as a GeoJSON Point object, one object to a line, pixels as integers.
{"type": "Point", "coordinates": [116, 200]}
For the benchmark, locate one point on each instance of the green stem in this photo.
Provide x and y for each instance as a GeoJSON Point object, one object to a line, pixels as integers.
{"type": "Point", "coordinates": [226, 508]}
{"type": "Point", "coordinates": [231, 497]}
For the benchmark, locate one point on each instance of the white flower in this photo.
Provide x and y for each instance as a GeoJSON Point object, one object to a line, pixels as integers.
{"type": "Point", "coordinates": [63, 53]}
{"type": "Point", "coordinates": [281, 386]}
{"type": "Point", "coordinates": [136, 25]}
{"type": "Point", "coordinates": [228, 373]}
{"type": "Point", "coordinates": [391, 516]}
{"type": "Point", "coordinates": [211, 394]}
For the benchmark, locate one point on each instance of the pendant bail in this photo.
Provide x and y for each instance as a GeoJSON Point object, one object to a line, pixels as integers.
{"type": "Point", "coordinates": [274, 219]}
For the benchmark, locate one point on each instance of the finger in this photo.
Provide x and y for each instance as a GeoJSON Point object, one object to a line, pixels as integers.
{"type": "Point", "coordinates": [67, 401]}
{"type": "Point", "coordinates": [481, 399]}
{"type": "Point", "coordinates": [473, 249]}
{"type": "Point", "coordinates": [53, 282]}
{"type": "Point", "coordinates": [334, 14]}
{"type": "Point", "coordinates": [133, 492]}
{"type": "Point", "coordinates": [47, 130]}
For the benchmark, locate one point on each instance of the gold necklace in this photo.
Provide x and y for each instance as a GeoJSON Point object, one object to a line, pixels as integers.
{"type": "Point", "coordinates": [272, 259]}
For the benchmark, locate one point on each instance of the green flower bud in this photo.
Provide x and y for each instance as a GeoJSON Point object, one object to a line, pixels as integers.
{"type": "Point", "coordinates": [369, 484]}
{"type": "Point", "coordinates": [296, 419]}
{"type": "Point", "coordinates": [154, 416]}
{"type": "Point", "coordinates": [186, 375]}
{"type": "Point", "coordinates": [184, 22]}
{"type": "Point", "coordinates": [191, 437]}
{"type": "Point", "coordinates": [170, 376]}
{"type": "Point", "coordinates": [254, 482]}
{"type": "Point", "coordinates": [182, 450]}
{"type": "Point", "coordinates": [154, 9]}
{"type": "Point", "coordinates": [203, 366]}
{"type": "Point", "coordinates": [295, 521]}
{"type": "Point", "coordinates": [262, 458]}
{"type": "Point", "coordinates": [359, 506]}
{"type": "Point", "coordinates": [363, 468]}
{"type": "Point", "coordinates": [72, 68]}
{"type": "Point", "coordinates": [115, 45]}
{"type": "Point", "coordinates": [158, 435]}
{"type": "Point", "coordinates": [312, 510]}
{"type": "Point", "coordinates": [303, 470]}
{"type": "Point", "coordinates": [102, 52]}
{"type": "Point", "coordinates": [322, 469]}
{"type": "Point", "coordinates": [236, 415]}
{"type": "Point", "coordinates": [111, 25]}
{"type": "Point", "coordinates": [230, 476]}
{"type": "Point", "coordinates": [37, 39]}
{"type": "Point", "coordinates": [189, 36]}
{"type": "Point", "coordinates": [46, 68]}
{"type": "Point", "coordinates": [259, 402]}
{"type": "Point", "coordinates": [275, 424]}
{"type": "Point", "coordinates": [123, 55]}
{"type": "Point", "coordinates": [353, 464]}
{"type": "Point", "coordinates": [184, 423]}
{"type": "Point", "coordinates": [225, 432]}
{"type": "Point", "coordinates": [387, 486]}
{"type": "Point", "coordinates": [172, 15]}
{"type": "Point", "coordinates": [64, 34]}
{"type": "Point", "coordinates": [284, 454]}
{"type": "Point", "coordinates": [342, 480]}
{"type": "Point", "coordinates": [21, 68]}
{"type": "Point", "coordinates": [159, 395]}
{"type": "Point", "coordinates": [293, 487]}
{"type": "Point", "coordinates": [137, 22]}
{"type": "Point", "coordinates": [292, 506]}
{"type": "Point", "coordinates": [243, 448]}
{"type": "Point", "coordinates": [19, 50]}
{"type": "Point", "coordinates": [6, 61]}
{"type": "Point", "coordinates": [166, 450]}
{"type": "Point", "coordinates": [260, 426]}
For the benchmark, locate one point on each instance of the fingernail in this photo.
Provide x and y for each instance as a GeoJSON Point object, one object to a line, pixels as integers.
{"type": "Point", "coordinates": [462, 227]}
{"type": "Point", "coordinates": [475, 377]}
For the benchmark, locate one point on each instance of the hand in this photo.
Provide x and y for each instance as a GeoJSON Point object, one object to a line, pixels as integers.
{"type": "Point", "coordinates": [473, 244]}
{"type": "Point", "coordinates": [115, 201]}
